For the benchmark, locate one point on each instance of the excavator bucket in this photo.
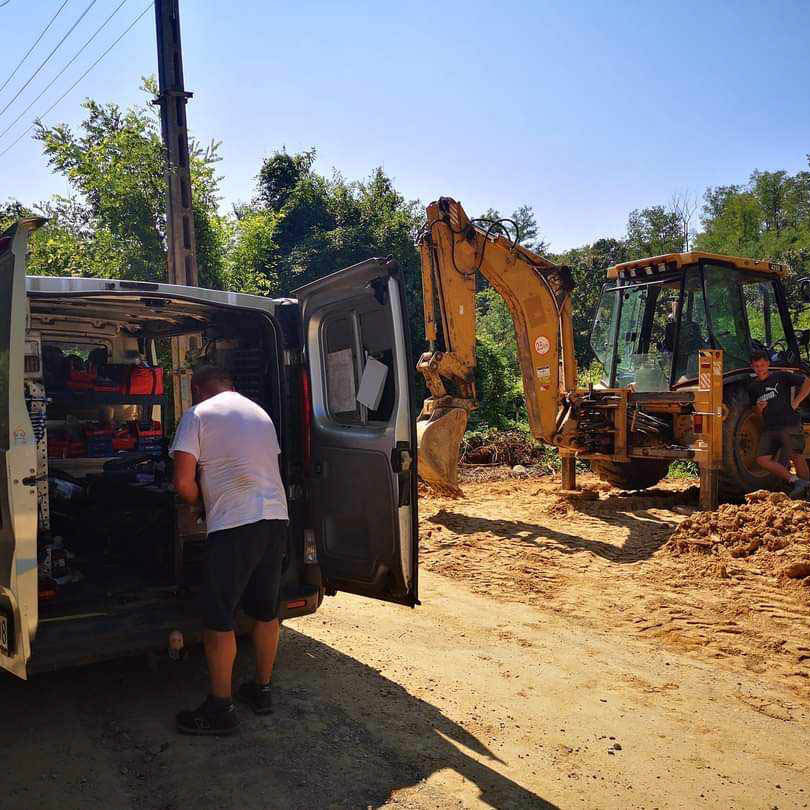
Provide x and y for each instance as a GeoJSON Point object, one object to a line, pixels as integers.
{"type": "Point", "coordinates": [438, 436]}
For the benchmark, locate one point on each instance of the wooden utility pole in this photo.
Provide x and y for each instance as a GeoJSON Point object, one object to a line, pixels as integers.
{"type": "Point", "coordinates": [182, 255]}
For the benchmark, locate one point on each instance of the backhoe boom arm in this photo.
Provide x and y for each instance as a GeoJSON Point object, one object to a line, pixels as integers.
{"type": "Point", "coordinates": [453, 251]}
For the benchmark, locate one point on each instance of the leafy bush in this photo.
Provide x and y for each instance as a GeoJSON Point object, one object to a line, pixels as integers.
{"type": "Point", "coordinates": [683, 469]}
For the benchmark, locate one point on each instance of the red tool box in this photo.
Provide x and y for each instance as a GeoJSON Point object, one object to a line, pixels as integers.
{"type": "Point", "coordinates": [124, 439]}
{"type": "Point", "coordinates": [145, 381]}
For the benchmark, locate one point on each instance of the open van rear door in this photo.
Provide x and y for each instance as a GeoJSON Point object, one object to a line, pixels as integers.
{"type": "Point", "coordinates": [18, 463]}
{"type": "Point", "coordinates": [361, 480]}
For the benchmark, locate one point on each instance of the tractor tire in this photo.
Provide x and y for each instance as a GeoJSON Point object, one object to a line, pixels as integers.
{"type": "Point", "coordinates": [640, 473]}
{"type": "Point", "coordinates": [742, 428]}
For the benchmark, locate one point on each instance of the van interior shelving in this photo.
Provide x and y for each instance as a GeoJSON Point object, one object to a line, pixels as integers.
{"type": "Point", "coordinates": [111, 533]}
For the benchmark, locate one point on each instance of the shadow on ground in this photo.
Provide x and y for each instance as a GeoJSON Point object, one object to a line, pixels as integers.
{"type": "Point", "coordinates": [646, 531]}
{"type": "Point", "coordinates": [342, 736]}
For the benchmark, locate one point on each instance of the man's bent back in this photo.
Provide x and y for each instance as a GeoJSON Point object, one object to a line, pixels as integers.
{"type": "Point", "coordinates": [237, 450]}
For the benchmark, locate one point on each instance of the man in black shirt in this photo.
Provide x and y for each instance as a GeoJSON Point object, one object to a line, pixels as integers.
{"type": "Point", "coordinates": [770, 393]}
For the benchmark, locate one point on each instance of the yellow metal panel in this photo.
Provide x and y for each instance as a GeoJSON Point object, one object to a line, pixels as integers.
{"type": "Point", "coordinates": [538, 339]}
{"type": "Point", "coordinates": [680, 260]}
{"type": "Point", "coordinates": [456, 289]}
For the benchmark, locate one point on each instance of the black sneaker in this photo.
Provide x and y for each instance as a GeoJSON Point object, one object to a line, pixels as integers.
{"type": "Point", "coordinates": [259, 698]}
{"type": "Point", "coordinates": [213, 716]}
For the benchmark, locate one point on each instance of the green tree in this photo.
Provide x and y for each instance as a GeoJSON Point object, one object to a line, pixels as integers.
{"type": "Point", "coordinates": [527, 232]}
{"type": "Point", "coordinates": [302, 225]}
{"type": "Point", "coordinates": [11, 211]}
{"type": "Point", "coordinates": [114, 225]}
{"type": "Point", "coordinates": [588, 265]}
{"type": "Point", "coordinates": [653, 231]}
{"type": "Point", "coordinates": [734, 225]}
{"type": "Point", "coordinates": [766, 218]}
{"type": "Point", "coordinates": [498, 380]}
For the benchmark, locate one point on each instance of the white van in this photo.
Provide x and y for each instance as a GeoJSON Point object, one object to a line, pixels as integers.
{"type": "Point", "coordinates": [97, 558]}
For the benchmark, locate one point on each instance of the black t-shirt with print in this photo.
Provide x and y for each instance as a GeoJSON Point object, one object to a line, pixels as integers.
{"type": "Point", "coordinates": [775, 390]}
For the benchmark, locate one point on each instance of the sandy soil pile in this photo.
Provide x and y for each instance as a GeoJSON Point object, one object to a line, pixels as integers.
{"type": "Point", "coordinates": [768, 525]}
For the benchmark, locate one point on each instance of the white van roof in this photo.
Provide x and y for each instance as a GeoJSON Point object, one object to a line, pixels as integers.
{"type": "Point", "coordinates": [68, 286]}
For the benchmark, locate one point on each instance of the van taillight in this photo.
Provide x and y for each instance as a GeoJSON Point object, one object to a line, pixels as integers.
{"type": "Point", "coordinates": [310, 547]}
{"type": "Point", "coordinates": [697, 423]}
{"type": "Point", "coordinates": [306, 418]}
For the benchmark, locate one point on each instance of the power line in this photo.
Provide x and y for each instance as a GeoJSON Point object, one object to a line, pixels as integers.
{"type": "Point", "coordinates": [61, 72]}
{"type": "Point", "coordinates": [72, 87]}
{"type": "Point", "coordinates": [47, 58]}
{"type": "Point", "coordinates": [36, 42]}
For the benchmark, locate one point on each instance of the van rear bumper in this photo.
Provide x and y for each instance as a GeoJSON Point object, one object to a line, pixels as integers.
{"type": "Point", "coordinates": [84, 639]}
{"type": "Point", "coordinates": [300, 604]}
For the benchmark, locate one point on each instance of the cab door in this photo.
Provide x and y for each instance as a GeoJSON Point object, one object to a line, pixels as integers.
{"type": "Point", "coordinates": [18, 463]}
{"type": "Point", "coordinates": [361, 473]}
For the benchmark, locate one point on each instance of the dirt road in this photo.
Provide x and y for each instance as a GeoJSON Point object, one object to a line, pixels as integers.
{"type": "Point", "coordinates": [601, 563]}
{"type": "Point", "coordinates": [539, 688]}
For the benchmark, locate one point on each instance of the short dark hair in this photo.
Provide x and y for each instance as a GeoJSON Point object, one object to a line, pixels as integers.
{"type": "Point", "coordinates": [204, 376]}
{"type": "Point", "coordinates": [760, 354]}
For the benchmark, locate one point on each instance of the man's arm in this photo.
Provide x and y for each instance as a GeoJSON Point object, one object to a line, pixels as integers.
{"type": "Point", "coordinates": [185, 451]}
{"type": "Point", "coordinates": [801, 394]}
{"type": "Point", "coordinates": [185, 477]}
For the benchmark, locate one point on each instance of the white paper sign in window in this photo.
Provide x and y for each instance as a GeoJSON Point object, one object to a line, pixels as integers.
{"type": "Point", "coordinates": [340, 381]}
{"type": "Point", "coordinates": [372, 384]}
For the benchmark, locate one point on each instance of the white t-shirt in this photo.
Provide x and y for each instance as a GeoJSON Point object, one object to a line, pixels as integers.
{"type": "Point", "coordinates": [236, 447]}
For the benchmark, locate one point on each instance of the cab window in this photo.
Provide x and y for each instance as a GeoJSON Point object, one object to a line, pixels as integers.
{"type": "Point", "coordinates": [744, 313]}
{"type": "Point", "coordinates": [764, 321]}
{"type": "Point", "coordinates": [727, 314]}
{"type": "Point", "coordinates": [694, 329]}
{"type": "Point", "coordinates": [647, 334]}
{"type": "Point", "coordinates": [602, 332]}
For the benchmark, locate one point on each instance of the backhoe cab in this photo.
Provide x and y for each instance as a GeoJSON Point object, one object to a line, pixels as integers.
{"type": "Point", "coordinates": [656, 314]}
{"type": "Point", "coordinates": [673, 335]}
{"type": "Point", "coordinates": [658, 323]}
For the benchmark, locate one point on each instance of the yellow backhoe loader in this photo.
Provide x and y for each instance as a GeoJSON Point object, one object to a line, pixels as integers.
{"type": "Point", "coordinates": [673, 335]}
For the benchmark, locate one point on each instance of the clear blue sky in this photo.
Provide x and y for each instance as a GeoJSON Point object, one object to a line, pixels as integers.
{"type": "Point", "coordinates": [583, 110]}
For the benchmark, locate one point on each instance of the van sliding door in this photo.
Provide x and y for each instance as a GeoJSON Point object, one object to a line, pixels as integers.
{"type": "Point", "coordinates": [18, 467]}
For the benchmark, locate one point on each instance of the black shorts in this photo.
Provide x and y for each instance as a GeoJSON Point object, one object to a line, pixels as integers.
{"type": "Point", "coordinates": [243, 567]}
{"type": "Point", "coordinates": [789, 439]}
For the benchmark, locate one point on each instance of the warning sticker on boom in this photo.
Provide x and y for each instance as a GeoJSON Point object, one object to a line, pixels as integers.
{"type": "Point", "coordinates": [541, 345]}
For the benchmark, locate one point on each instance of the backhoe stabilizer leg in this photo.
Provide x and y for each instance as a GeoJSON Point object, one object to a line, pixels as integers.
{"type": "Point", "coordinates": [709, 488]}
{"type": "Point", "coordinates": [569, 472]}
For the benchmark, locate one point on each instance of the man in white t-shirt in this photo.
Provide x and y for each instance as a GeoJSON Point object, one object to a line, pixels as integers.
{"type": "Point", "coordinates": [229, 444]}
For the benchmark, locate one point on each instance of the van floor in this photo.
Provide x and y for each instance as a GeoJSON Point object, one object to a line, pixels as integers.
{"type": "Point", "coordinates": [106, 585]}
